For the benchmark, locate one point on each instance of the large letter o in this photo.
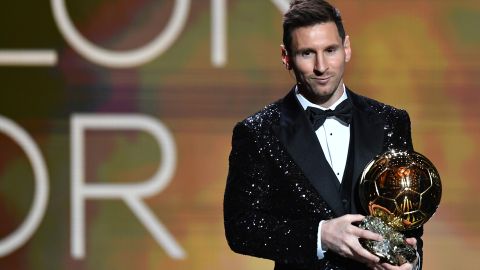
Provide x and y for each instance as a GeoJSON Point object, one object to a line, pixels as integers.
{"type": "Point", "coordinates": [40, 198]}
{"type": "Point", "coordinates": [125, 59]}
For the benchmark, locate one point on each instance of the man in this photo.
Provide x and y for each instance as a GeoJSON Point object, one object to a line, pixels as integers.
{"type": "Point", "coordinates": [291, 193]}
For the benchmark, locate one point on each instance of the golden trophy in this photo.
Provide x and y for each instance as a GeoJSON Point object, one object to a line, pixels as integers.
{"type": "Point", "coordinates": [401, 190]}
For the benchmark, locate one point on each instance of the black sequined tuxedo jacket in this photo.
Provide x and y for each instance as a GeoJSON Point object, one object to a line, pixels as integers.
{"type": "Point", "coordinates": [280, 185]}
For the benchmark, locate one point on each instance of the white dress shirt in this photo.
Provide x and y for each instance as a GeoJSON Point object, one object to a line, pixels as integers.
{"type": "Point", "coordinates": [334, 137]}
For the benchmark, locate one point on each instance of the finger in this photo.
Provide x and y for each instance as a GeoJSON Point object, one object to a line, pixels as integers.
{"type": "Point", "coordinates": [354, 218]}
{"type": "Point", "coordinates": [388, 266]}
{"type": "Point", "coordinates": [365, 255]}
{"type": "Point", "coordinates": [368, 258]}
{"type": "Point", "coordinates": [366, 234]}
{"type": "Point", "coordinates": [412, 241]}
{"type": "Point", "coordinates": [377, 267]}
{"type": "Point", "coordinates": [405, 266]}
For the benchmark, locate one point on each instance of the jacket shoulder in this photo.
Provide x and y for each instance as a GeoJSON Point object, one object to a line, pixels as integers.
{"type": "Point", "coordinates": [263, 119]}
{"type": "Point", "coordinates": [377, 107]}
{"type": "Point", "coordinates": [397, 127]}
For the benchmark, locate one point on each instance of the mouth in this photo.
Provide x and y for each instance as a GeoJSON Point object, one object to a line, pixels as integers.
{"type": "Point", "coordinates": [322, 80]}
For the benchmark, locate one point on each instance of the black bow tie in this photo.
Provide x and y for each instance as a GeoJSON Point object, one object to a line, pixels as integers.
{"type": "Point", "coordinates": [318, 116]}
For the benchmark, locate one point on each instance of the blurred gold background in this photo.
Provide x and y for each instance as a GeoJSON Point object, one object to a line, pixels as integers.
{"type": "Point", "coordinates": [418, 55]}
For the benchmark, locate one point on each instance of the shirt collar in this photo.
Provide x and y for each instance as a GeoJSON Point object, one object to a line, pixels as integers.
{"type": "Point", "coordinates": [306, 103]}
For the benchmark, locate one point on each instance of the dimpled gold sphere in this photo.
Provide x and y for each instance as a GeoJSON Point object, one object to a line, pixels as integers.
{"type": "Point", "coordinates": [402, 188]}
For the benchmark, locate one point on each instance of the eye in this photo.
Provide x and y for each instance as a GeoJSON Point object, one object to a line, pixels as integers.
{"type": "Point", "coordinates": [306, 53]}
{"type": "Point", "coordinates": [331, 50]}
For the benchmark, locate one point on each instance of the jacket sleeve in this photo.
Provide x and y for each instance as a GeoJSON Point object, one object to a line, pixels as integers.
{"type": "Point", "coordinates": [405, 138]}
{"type": "Point", "coordinates": [407, 131]}
{"type": "Point", "coordinates": [253, 224]}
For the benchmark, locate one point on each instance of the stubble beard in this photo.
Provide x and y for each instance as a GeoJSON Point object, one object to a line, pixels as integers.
{"type": "Point", "coordinates": [315, 96]}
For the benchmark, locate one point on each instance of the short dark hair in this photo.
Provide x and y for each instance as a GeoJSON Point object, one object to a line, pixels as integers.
{"type": "Point", "coordinates": [307, 13]}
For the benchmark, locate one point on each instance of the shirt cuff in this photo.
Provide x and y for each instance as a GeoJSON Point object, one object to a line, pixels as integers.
{"type": "Point", "coordinates": [419, 262]}
{"type": "Point", "coordinates": [320, 250]}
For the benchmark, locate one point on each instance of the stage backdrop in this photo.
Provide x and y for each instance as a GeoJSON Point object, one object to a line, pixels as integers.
{"type": "Point", "coordinates": [116, 119]}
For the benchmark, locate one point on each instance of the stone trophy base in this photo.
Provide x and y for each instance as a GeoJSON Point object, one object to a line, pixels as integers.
{"type": "Point", "coordinates": [393, 249]}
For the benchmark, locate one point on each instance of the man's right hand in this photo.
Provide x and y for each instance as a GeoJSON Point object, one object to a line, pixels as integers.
{"type": "Point", "coordinates": [341, 236]}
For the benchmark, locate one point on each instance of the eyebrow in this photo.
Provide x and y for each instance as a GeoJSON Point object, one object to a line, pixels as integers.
{"type": "Point", "coordinates": [333, 46]}
{"type": "Point", "coordinates": [306, 49]}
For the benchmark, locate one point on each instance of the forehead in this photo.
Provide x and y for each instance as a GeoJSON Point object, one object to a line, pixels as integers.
{"type": "Point", "coordinates": [319, 35]}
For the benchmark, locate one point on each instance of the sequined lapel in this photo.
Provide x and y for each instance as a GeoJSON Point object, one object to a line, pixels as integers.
{"type": "Point", "coordinates": [296, 134]}
{"type": "Point", "coordinates": [368, 134]}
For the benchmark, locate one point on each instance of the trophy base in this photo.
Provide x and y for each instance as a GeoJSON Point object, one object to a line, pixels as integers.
{"type": "Point", "coordinates": [393, 249]}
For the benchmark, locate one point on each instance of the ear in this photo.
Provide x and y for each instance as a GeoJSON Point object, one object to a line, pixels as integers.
{"type": "Point", "coordinates": [347, 48]}
{"type": "Point", "coordinates": [285, 57]}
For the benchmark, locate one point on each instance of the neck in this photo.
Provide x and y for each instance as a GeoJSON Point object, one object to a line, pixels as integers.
{"type": "Point", "coordinates": [324, 101]}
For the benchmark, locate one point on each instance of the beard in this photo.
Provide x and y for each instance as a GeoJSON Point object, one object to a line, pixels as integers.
{"type": "Point", "coordinates": [319, 89]}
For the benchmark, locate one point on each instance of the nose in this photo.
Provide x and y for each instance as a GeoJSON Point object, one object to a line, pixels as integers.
{"type": "Point", "coordinates": [320, 64]}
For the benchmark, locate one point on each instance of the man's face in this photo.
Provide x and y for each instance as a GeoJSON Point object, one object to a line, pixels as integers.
{"type": "Point", "coordinates": [318, 60]}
